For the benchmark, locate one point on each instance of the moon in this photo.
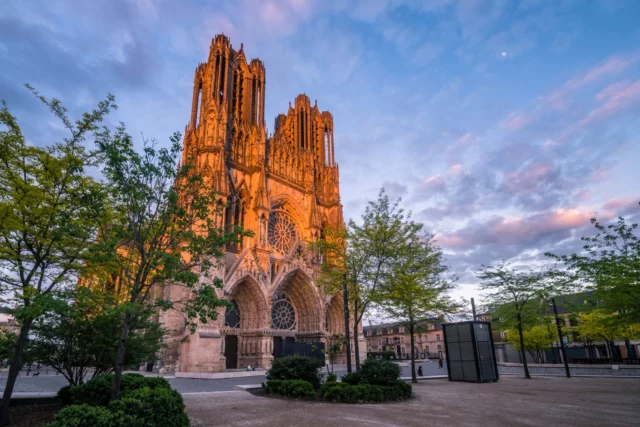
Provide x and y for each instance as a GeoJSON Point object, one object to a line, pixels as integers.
{"type": "Point", "coordinates": [504, 53]}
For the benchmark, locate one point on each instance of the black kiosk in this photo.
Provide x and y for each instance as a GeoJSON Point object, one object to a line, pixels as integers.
{"type": "Point", "coordinates": [470, 353]}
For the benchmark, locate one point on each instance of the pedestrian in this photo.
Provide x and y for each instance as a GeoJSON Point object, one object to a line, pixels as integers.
{"type": "Point", "coordinates": [440, 363]}
{"type": "Point", "coordinates": [420, 371]}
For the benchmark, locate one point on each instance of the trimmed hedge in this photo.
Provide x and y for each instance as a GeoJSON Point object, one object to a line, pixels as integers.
{"type": "Point", "coordinates": [298, 389]}
{"type": "Point", "coordinates": [379, 372]}
{"type": "Point", "coordinates": [296, 368]}
{"type": "Point", "coordinates": [345, 393]}
{"type": "Point", "coordinates": [97, 391]}
{"type": "Point", "coordinates": [331, 378]}
{"type": "Point", "coordinates": [352, 378]}
{"type": "Point", "coordinates": [83, 416]}
{"type": "Point", "coordinates": [158, 407]}
{"type": "Point", "coordinates": [64, 394]}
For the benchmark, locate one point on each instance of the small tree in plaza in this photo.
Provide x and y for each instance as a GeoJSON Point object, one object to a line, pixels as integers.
{"type": "Point", "coordinates": [165, 229]}
{"type": "Point", "coordinates": [77, 337]}
{"type": "Point", "coordinates": [415, 287]}
{"type": "Point", "coordinates": [610, 265]}
{"type": "Point", "coordinates": [366, 252]}
{"type": "Point", "coordinates": [517, 295]}
{"type": "Point", "coordinates": [48, 211]}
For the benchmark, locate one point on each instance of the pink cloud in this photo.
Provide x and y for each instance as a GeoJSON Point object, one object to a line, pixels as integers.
{"type": "Point", "coordinates": [516, 121]}
{"type": "Point", "coordinates": [615, 98]}
{"type": "Point", "coordinates": [435, 183]}
{"type": "Point", "coordinates": [612, 65]}
{"type": "Point", "coordinates": [455, 169]}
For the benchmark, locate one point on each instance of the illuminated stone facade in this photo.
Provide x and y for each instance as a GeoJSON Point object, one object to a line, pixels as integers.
{"type": "Point", "coordinates": [283, 187]}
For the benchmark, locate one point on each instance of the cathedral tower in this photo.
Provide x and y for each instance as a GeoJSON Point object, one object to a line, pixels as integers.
{"type": "Point", "coordinates": [285, 188]}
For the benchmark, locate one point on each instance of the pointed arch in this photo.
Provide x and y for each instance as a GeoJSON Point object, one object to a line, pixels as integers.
{"type": "Point", "coordinates": [298, 286]}
{"type": "Point", "coordinates": [251, 299]}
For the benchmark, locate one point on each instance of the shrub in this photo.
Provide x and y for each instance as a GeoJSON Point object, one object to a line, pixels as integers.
{"type": "Point", "coordinates": [82, 416]}
{"type": "Point", "coordinates": [331, 378]}
{"type": "Point", "coordinates": [297, 388]}
{"type": "Point", "coordinates": [345, 393]}
{"type": "Point", "coordinates": [296, 368]}
{"type": "Point", "coordinates": [272, 386]}
{"type": "Point", "coordinates": [64, 394]}
{"type": "Point", "coordinates": [353, 378]}
{"type": "Point", "coordinates": [97, 391]}
{"type": "Point", "coordinates": [158, 407]}
{"type": "Point", "coordinates": [379, 372]}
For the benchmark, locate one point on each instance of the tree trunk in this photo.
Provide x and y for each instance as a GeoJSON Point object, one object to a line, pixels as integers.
{"type": "Point", "coordinates": [14, 368]}
{"type": "Point", "coordinates": [414, 379]}
{"type": "Point", "coordinates": [355, 337]}
{"type": "Point", "coordinates": [523, 355]}
{"type": "Point", "coordinates": [119, 366]}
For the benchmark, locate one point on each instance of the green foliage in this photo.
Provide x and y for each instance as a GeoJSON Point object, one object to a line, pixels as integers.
{"type": "Point", "coordinates": [83, 416]}
{"type": "Point", "coordinates": [97, 391]}
{"type": "Point", "coordinates": [536, 339]}
{"type": "Point", "coordinates": [352, 378]}
{"type": "Point", "coordinates": [363, 393]}
{"type": "Point", "coordinates": [78, 337]}
{"type": "Point", "coordinates": [366, 253]}
{"type": "Point", "coordinates": [331, 378]}
{"type": "Point", "coordinates": [296, 368]}
{"type": "Point", "coordinates": [164, 228]}
{"type": "Point", "coordinates": [518, 295]}
{"type": "Point", "coordinates": [159, 407]}
{"type": "Point", "coordinates": [610, 265]}
{"type": "Point", "coordinates": [379, 372]}
{"type": "Point", "coordinates": [8, 342]}
{"type": "Point", "coordinates": [64, 394]}
{"type": "Point", "coordinates": [297, 388]}
{"type": "Point", "coordinates": [271, 386]}
{"type": "Point", "coordinates": [49, 215]}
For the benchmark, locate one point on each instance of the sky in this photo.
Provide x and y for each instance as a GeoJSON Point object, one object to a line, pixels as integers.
{"type": "Point", "coordinates": [504, 126]}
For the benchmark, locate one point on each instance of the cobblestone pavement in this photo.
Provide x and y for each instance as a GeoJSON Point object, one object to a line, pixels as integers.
{"type": "Point", "coordinates": [52, 383]}
{"type": "Point", "coordinates": [512, 401]}
{"type": "Point", "coordinates": [574, 371]}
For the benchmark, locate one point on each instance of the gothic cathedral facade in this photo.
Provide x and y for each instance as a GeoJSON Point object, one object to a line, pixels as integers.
{"type": "Point", "coordinates": [285, 188]}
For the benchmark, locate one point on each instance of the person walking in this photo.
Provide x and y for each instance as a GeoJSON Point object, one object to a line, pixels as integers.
{"type": "Point", "coordinates": [440, 362]}
{"type": "Point", "coordinates": [420, 371]}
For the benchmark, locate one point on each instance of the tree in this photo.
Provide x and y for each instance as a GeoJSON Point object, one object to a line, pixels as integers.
{"type": "Point", "coordinates": [610, 264]}
{"type": "Point", "coordinates": [78, 337]}
{"type": "Point", "coordinates": [593, 326]}
{"type": "Point", "coordinates": [48, 211]}
{"type": "Point", "coordinates": [536, 339]}
{"type": "Point", "coordinates": [165, 229]}
{"type": "Point", "coordinates": [335, 343]}
{"type": "Point", "coordinates": [415, 287]}
{"type": "Point", "coordinates": [516, 295]}
{"type": "Point", "coordinates": [365, 253]}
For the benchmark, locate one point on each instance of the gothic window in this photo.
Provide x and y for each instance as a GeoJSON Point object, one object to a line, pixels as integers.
{"type": "Point", "coordinates": [199, 105]}
{"type": "Point", "coordinates": [253, 103]}
{"type": "Point", "coordinates": [258, 95]}
{"type": "Point", "coordinates": [282, 232]}
{"type": "Point", "coordinates": [223, 70]}
{"type": "Point", "coordinates": [326, 145]}
{"type": "Point", "coordinates": [283, 316]}
{"type": "Point", "coordinates": [232, 317]}
{"type": "Point", "coordinates": [216, 72]}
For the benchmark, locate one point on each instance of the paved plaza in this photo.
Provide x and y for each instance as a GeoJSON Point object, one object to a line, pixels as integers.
{"type": "Point", "coordinates": [542, 401]}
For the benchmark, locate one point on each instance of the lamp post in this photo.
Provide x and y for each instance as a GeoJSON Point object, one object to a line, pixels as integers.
{"type": "Point", "coordinates": [562, 349]}
{"type": "Point", "coordinates": [346, 321]}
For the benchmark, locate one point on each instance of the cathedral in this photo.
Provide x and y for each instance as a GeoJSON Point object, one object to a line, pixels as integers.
{"type": "Point", "coordinates": [284, 187]}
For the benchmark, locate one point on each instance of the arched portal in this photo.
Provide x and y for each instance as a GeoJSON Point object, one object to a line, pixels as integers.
{"type": "Point", "coordinates": [246, 342]}
{"type": "Point", "coordinates": [300, 291]}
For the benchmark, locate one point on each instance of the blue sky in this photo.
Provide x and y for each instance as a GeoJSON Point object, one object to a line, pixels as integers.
{"type": "Point", "coordinates": [503, 125]}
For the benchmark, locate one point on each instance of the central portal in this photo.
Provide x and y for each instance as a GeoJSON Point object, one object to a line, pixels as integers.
{"type": "Point", "coordinates": [231, 351]}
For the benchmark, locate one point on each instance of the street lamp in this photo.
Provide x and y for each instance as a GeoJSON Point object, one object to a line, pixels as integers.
{"type": "Point", "coordinates": [562, 348]}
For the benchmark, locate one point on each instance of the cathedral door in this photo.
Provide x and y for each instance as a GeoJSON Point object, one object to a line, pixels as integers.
{"type": "Point", "coordinates": [231, 351]}
{"type": "Point", "coordinates": [277, 347]}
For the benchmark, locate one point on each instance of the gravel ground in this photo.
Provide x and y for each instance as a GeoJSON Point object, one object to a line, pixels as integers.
{"type": "Point", "coordinates": [512, 401]}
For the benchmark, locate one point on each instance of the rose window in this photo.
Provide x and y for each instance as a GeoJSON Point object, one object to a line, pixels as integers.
{"type": "Point", "coordinates": [282, 232]}
{"type": "Point", "coordinates": [283, 316]}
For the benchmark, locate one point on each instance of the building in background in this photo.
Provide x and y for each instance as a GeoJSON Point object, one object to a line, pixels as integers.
{"type": "Point", "coordinates": [8, 322]}
{"type": "Point", "coordinates": [429, 340]}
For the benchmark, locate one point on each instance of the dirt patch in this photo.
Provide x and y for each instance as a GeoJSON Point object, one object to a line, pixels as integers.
{"type": "Point", "coordinates": [33, 415]}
